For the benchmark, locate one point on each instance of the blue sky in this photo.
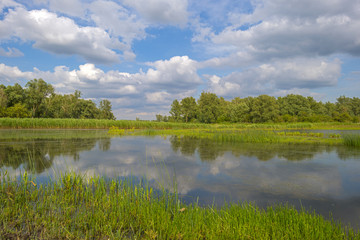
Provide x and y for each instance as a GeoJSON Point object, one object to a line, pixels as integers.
{"type": "Point", "coordinates": [143, 54]}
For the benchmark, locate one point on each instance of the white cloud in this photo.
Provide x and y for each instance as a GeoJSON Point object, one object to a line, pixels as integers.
{"type": "Point", "coordinates": [8, 3]}
{"type": "Point", "coordinates": [13, 74]}
{"type": "Point", "coordinates": [284, 29]}
{"type": "Point", "coordinates": [161, 11]}
{"type": "Point", "coordinates": [11, 52]}
{"type": "Point", "coordinates": [177, 73]}
{"type": "Point", "coordinates": [117, 20]}
{"type": "Point", "coordinates": [299, 73]}
{"type": "Point", "coordinates": [158, 97]}
{"type": "Point", "coordinates": [60, 35]}
{"type": "Point", "coordinates": [69, 7]}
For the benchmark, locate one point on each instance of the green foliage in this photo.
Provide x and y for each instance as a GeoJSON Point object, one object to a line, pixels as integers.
{"type": "Point", "coordinates": [264, 108]}
{"type": "Point", "coordinates": [209, 107]}
{"type": "Point", "coordinates": [239, 110]}
{"type": "Point", "coordinates": [175, 110]}
{"type": "Point", "coordinates": [17, 111]}
{"type": "Point", "coordinates": [15, 94]}
{"type": "Point", "coordinates": [188, 108]}
{"type": "Point", "coordinates": [39, 100]}
{"type": "Point", "coordinates": [105, 110]}
{"type": "Point", "coordinates": [80, 207]}
{"type": "Point", "coordinates": [36, 93]}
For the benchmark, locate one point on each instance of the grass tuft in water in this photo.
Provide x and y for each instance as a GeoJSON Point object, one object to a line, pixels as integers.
{"type": "Point", "coordinates": [80, 207]}
{"type": "Point", "coordinates": [352, 140]}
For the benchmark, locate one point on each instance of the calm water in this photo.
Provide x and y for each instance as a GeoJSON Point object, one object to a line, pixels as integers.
{"type": "Point", "coordinates": [321, 178]}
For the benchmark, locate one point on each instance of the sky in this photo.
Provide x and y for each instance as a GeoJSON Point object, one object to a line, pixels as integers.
{"type": "Point", "coordinates": [143, 54]}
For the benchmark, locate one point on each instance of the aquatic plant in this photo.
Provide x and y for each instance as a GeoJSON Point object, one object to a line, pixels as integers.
{"type": "Point", "coordinates": [80, 207]}
{"type": "Point", "coordinates": [352, 140]}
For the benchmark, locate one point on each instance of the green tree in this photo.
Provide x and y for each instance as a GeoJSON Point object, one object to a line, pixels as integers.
{"type": "Point", "coordinates": [36, 93]}
{"type": "Point", "coordinates": [209, 107]}
{"type": "Point", "coordinates": [17, 111]}
{"type": "Point", "coordinates": [175, 110]}
{"type": "Point", "coordinates": [105, 110]}
{"type": "Point", "coordinates": [15, 94]}
{"type": "Point", "coordinates": [188, 108]}
{"type": "Point", "coordinates": [264, 109]}
{"type": "Point", "coordinates": [224, 114]}
{"type": "Point", "coordinates": [239, 110]}
{"type": "Point", "coordinates": [294, 105]}
{"type": "Point", "coordinates": [3, 98]}
{"type": "Point", "coordinates": [88, 109]}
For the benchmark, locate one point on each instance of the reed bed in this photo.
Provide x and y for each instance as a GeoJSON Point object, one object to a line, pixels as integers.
{"type": "Point", "coordinates": [79, 207]}
{"type": "Point", "coordinates": [129, 124]}
{"type": "Point", "coordinates": [352, 140]}
{"type": "Point", "coordinates": [91, 124]}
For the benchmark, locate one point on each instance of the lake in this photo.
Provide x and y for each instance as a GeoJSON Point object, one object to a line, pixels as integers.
{"type": "Point", "coordinates": [316, 177]}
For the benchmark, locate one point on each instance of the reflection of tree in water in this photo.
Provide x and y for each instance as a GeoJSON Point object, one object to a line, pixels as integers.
{"type": "Point", "coordinates": [104, 144]}
{"type": "Point", "coordinates": [38, 155]}
{"type": "Point", "coordinates": [210, 150]}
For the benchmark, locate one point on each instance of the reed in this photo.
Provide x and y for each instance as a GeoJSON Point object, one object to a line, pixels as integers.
{"type": "Point", "coordinates": [129, 124]}
{"type": "Point", "coordinates": [80, 207]}
{"type": "Point", "coordinates": [352, 140]}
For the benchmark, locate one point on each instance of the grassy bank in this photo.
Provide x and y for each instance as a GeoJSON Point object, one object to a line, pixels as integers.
{"type": "Point", "coordinates": [78, 207]}
{"type": "Point", "coordinates": [238, 136]}
{"type": "Point", "coordinates": [129, 124]}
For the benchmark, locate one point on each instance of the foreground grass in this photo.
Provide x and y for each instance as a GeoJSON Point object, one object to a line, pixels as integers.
{"type": "Point", "coordinates": [129, 124]}
{"type": "Point", "coordinates": [75, 207]}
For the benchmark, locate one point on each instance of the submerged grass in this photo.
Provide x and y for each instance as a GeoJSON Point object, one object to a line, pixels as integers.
{"type": "Point", "coordinates": [78, 207]}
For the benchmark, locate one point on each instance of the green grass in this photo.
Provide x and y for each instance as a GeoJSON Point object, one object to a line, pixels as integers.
{"type": "Point", "coordinates": [79, 207]}
{"type": "Point", "coordinates": [240, 136]}
{"type": "Point", "coordinates": [129, 124]}
{"type": "Point", "coordinates": [352, 140]}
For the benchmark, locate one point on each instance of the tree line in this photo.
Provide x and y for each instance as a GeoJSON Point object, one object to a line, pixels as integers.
{"type": "Point", "coordinates": [39, 100]}
{"type": "Point", "coordinates": [210, 108]}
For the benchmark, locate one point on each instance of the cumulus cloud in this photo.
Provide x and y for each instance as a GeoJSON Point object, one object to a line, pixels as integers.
{"type": "Point", "coordinates": [13, 74]}
{"type": "Point", "coordinates": [60, 35]}
{"type": "Point", "coordinates": [177, 73]}
{"type": "Point", "coordinates": [278, 29]}
{"type": "Point", "coordinates": [287, 75]}
{"type": "Point", "coordinates": [161, 11]}
{"type": "Point", "coordinates": [117, 20]}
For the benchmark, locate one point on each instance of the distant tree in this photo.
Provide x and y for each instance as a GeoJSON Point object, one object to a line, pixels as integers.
{"type": "Point", "coordinates": [3, 98]}
{"type": "Point", "coordinates": [293, 105]}
{"type": "Point", "coordinates": [159, 117]}
{"type": "Point", "coordinates": [88, 110]}
{"type": "Point", "coordinates": [105, 110]}
{"type": "Point", "coordinates": [239, 110]}
{"type": "Point", "coordinates": [188, 108]}
{"type": "Point", "coordinates": [15, 94]}
{"type": "Point", "coordinates": [209, 107]}
{"type": "Point", "coordinates": [36, 93]}
{"type": "Point", "coordinates": [175, 110]}
{"type": "Point", "coordinates": [264, 109]}
{"type": "Point", "coordinates": [224, 114]}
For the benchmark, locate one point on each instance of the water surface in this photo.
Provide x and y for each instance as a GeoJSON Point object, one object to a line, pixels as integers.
{"type": "Point", "coordinates": [321, 178]}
